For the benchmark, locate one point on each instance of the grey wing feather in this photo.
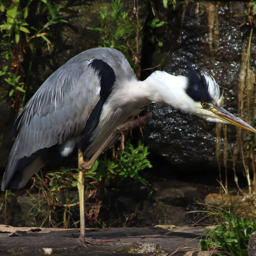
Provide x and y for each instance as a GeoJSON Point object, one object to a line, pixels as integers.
{"type": "Point", "coordinates": [58, 111]}
{"type": "Point", "coordinates": [61, 106]}
{"type": "Point", "coordinates": [53, 116]}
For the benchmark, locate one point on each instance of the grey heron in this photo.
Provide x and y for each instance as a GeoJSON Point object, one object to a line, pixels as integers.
{"type": "Point", "coordinates": [80, 104]}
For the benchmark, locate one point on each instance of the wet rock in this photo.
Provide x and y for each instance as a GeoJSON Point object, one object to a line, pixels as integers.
{"type": "Point", "coordinates": [252, 244]}
{"type": "Point", "coordinates": [206, 35]}
{"type": "Point", "coordinates": [147, 241]}
{"type": "Point", "coordinates": [13, 234]}
{"type": "Point", "coordinates": [21, 233]}
{"type": "Point", "coordinates": [142, 248]}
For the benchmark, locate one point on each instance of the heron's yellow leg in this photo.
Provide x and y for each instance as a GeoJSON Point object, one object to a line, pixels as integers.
{"type": "Point", "coordinates": [83, 168]}
{"type": "Point", "coordinates": [86, 166]}
{"type": "Point", "coordinates": [80, 186]}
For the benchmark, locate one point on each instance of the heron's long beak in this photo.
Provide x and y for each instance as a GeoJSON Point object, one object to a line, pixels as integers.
{"type": "Point", "coordinates": [227, 117]}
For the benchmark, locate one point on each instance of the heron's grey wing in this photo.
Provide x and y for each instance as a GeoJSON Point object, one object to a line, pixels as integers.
{"type": "Point", "coordinates": [61, 107]}
{"type": "Point", "coordinates": [58, 111]}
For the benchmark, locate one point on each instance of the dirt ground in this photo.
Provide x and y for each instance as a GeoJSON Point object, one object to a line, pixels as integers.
{"type": "Point", "coordinates": [159, 240]}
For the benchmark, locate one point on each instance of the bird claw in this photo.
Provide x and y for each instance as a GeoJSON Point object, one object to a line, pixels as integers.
{"type": "Point", "coordinates": [84, 166]}
{"type": "Point", "coordinates": [101, 242]}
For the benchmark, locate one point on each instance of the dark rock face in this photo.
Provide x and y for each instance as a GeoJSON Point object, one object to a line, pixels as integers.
{"type": "Point", "coordinates": [7, 116]}
{"type": "Point", "coordinates": [206, 35]}
{"type": "Point", "coordinates": [182, 139]}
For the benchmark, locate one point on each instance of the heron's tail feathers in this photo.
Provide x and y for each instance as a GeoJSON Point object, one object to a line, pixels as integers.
{"type": "Point", "coordinates": [19, 169]}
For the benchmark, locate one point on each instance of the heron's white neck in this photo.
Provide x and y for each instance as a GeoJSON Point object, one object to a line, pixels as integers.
{"type": "Point", "coordinates": [163, 88]}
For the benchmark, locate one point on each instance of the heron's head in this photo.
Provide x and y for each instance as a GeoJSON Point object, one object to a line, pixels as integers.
{"type": "Point", "coordinates": [205, 93]}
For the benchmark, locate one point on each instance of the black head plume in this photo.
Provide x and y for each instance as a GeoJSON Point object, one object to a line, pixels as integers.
{"type": "Point", "coordinates": [198, 86]}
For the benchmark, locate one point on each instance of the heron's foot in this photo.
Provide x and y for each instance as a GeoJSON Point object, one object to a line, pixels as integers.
{"type": "Point", "coordinates": [101, 242]}
{"type": "Point", "coordinates": [84, 166]}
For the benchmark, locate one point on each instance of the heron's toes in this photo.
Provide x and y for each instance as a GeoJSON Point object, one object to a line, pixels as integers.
{"type": "Point", "coordinates": [101, 242]}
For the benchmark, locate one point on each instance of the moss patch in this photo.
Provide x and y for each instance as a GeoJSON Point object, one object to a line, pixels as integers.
{"type": "Point", "coordinates": [140, 248]}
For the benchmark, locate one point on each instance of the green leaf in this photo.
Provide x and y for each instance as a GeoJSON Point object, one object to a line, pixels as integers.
{"type": "Point", "coordinates": [24, 24]}
{"type": "Point", "coordinates": [9, 81]}
{"type": "Point", "coordinates": [33, 28]}
{"type": "Point", "coordinates": [25, 30]}
{"type": "Point", "coordinates": [64, 21]}
{"type": "Point", "coordinates": [74, 184]}
{"type": "Point", "coordinates": [160, 44]}
{"type": "Point", "coordinates": [120, 32]}
{"type": "Point", "coordinates": [11, 13]}
{"type": "Point", "coordinates": [124, 16]}
{"type": "Point", "coordinates": [95, 166]}
{"type": "Point", "coordinates": [11, 92]}
{"type": "Point", "coordinates": [6, 66]}
{"type": "Point", "coordinates": [104, 17]}
{"type": "Point", "coordinates": [4, 27]}
{"type": "Point", "coordinates": [29, 2]}
{"type": "Point", "coordinates": [7, 35]}
{"type": "Point", "coordinates": [160, 24]}
{"type": "Point", "coordinates": [58, 9]}
{"type": "Point", "coordinates": [97, 29]}
{"type": "Point", "coordinates": [50, 9]}
{"type": "Point", "coordinates": [20, 89]}
{"type": "Point", "coordinates": [53, 11]}
{"type": "Point", "coordinates": [45, 38]}
{"type": "Point", "coordinates": [54, 22]}
{"type": "Point", "coordinates": [16, 79]}
{"type": "Point", "coordinates": [254, 8]}
{"type": "Point", "coordinates": [26, 12]}
{"type": "Point", "coordinates": [165, 3]}
{"type": "Point", "coordinates": [17, 38]}
{"type": "Point", "coordinates": [2, 9]}
{"type": "Point", "coordinates": [17, 34]}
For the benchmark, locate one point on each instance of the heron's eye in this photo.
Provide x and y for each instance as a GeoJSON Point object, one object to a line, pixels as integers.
{"type": "Point", "coordinates": [204, 104]}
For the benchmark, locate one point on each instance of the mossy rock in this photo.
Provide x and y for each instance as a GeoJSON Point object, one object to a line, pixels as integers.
{"type": "Point", "coordinates": [141, 248]}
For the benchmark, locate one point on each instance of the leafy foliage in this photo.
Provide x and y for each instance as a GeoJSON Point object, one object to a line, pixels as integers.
{"type": "Point", "coordinates": [115, 27]}
{"type": "Point", "coordinates": [231, 233]}
{"type": "Point", "coordinates": [169, 2]}
{"type": "Point", "coordinates": [127, 166]}
{"type": "Point", "coordinates": [132, 161]}
{"type": "Point", "coordinates": [51, 188]}
{"type": "Point", "coordinates": [17, 36]}
{"type": "Point", "coordinates": [55, 185]}
{"type": "Point", "coordinates": [153, 25]}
